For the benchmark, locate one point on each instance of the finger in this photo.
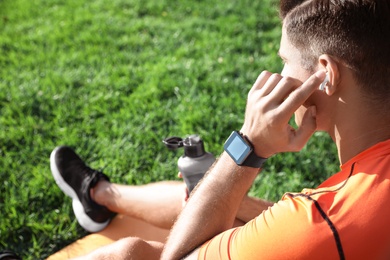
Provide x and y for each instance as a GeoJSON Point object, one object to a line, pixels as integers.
{"type": "Point", "coordinates": [185, 198]}
{"type": "Point", "coordinates": [305, 130]}
{"type": "Point", "coordinates": [260, 81]}
{"type": "Point", "coordinates": [271, 84]}
{"type": "Point", "coordinates": [301, 94]}
{"type": "Point", "coordinates": [186, 194]}
{"type": "Point", "coordinates": [284, 88]}
{"type": "Point", "coordinates": [179, 175]}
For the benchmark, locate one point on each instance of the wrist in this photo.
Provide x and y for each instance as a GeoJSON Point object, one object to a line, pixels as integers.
{"type": "Point", "coordinates": [241, 150]}
{"type": "Point", "coordinates": [261, 148]}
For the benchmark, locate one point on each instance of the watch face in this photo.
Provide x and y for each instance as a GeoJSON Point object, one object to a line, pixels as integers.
{"type": "Point", "coordinates": [237, 148]}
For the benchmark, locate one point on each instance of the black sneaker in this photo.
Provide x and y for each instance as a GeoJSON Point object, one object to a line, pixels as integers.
{"type": "Point", "coordinates": [8, 255]}
{"type": "Point", "coordinates": [76, 179]}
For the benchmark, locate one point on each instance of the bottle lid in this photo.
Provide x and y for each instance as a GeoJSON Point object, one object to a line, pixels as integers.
{"type": "Point", "coordinates": [193, 146]}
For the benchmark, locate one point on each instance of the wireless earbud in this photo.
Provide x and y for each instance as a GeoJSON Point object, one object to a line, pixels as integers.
{"type": "Point", "coordinates": [323, 84]}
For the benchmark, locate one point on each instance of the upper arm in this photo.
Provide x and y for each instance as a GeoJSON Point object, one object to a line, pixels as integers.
{"type": "Point", "coordinates": [290, 228]}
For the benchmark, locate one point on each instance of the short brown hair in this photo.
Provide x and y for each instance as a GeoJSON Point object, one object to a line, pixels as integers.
{"type": "Point", "coordinates": [355, 31]}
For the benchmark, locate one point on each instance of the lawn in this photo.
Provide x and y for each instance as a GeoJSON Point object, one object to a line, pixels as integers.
{"type": "Point", "coordinates": [112, 79]}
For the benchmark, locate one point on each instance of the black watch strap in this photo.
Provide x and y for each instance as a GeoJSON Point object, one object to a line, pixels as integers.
{"type": "Point", "coordinates": [241, 151]}
{"type": "Point", "coordinates": [254, 161]}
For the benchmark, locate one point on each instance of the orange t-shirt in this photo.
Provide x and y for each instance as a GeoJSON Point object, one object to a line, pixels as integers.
{"type": "Point", "coordinates": [347, 216]}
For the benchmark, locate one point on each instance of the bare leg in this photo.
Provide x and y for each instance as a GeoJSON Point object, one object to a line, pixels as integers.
{"type": "Point", "coordinates": [130, 248]}
{"type": "Point", "coordinates": [158, 203]}
{"type": "Point", "coordinates": [136, 248]}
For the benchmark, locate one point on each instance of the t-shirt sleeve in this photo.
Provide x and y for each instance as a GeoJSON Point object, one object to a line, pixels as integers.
{"type": "Point", "coordinates": [290, 229]}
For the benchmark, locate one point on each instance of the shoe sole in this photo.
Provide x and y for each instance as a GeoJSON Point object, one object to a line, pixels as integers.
{"type": "Point", "coordinates": [83, 219]}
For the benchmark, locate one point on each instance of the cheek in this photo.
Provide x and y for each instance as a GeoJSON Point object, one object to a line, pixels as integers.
{"type": "Point", "coordinates": [295, 71]}
{"type": "Point", "coordinates": [320, 101]}
{"type": "Point", "coordinates": [288, 71]}
{"type": "Point", "coordinates": [311, 101]}
{"type": "Point", "coordinates": [298, 115]}
{"type": "Point", "coordinates": [325, 108]}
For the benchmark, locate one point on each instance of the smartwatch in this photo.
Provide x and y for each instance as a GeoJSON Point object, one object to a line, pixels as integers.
{"type": "Point", "coordinates": [241, 151]}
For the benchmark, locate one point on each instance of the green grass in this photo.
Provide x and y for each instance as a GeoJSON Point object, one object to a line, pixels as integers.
{"type": "Point", "coordinates": [112, 79]}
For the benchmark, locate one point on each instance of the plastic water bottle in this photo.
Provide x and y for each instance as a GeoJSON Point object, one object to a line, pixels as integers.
{"type": "Point", "coordinates": [195, 162]}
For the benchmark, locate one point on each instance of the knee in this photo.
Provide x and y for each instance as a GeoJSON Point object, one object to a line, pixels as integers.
{"type": "Point", "coordinates": [131, 244]}
{"type": "Point", "coordinates": [130, 248]}
{"type": "Point", "coordinates": [136, 248]}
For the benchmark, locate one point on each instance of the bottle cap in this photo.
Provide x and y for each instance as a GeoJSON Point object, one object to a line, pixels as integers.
{"type": "Point", "coordinates": [193, 146]}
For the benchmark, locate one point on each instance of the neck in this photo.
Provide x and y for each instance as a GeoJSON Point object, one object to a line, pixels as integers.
{"type": "Point", "coordinates": [357, 141]}
{"type": "Point", "coordinates": [356, 121]}
{"type": "Point", "coordinates": [359, 124]}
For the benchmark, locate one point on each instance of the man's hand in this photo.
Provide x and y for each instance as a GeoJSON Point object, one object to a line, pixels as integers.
{"type": "Point", "coordinates": [271, 103]}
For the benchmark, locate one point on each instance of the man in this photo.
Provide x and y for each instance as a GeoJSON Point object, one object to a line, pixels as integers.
{"type": "Point", "coordinates": [344, 44]}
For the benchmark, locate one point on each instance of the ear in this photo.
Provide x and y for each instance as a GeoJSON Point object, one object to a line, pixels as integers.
{"type": "Point", "coordinates": [328, 63]}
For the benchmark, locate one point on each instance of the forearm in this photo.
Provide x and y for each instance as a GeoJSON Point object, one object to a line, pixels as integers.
{"type": "Point", "coordinates": [251, 207]}
{"type": "Point", "coordinates": [211, 209]}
